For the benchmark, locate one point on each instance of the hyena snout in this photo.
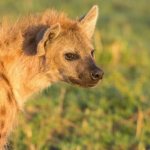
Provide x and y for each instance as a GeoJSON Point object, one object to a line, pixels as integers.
{"type": "Point", "coordinates": [97, 74]}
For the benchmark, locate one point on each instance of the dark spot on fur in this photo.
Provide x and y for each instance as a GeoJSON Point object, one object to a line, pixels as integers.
{"type": "Point", "coordinates": [9, 98]}
{"type": "Point", "coordinates": [4, 77]}
{"type": "Point", "coordinates": [14, 38]}
{"type": "Point", "coordinates": [3, 111]}
{"type": "Point", "coordinates": [2, 124]}
{"type": "Point", "coordinates": [6, 43]}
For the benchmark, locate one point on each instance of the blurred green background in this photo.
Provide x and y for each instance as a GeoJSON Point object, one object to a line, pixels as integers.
{"type": "Point", "coordinates": [115, 115]}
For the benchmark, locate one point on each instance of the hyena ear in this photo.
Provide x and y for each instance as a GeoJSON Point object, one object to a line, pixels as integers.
{"type": "Point", "coordinates": [88, 22]}
{"type": "Point", "coordinates": [45, 37]}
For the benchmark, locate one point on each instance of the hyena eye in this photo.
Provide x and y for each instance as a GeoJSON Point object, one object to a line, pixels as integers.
{"type": "Point", "coordinates": [92, 53]}
{"type": "Point", "coordinates": [71, 56]}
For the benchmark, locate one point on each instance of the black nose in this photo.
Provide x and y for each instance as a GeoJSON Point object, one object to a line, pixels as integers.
{"type": "Point", "coordinates": [97, 74]}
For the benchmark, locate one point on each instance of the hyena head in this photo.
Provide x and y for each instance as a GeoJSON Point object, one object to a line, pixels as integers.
{"type": "Point", "coordinates": [70, 53]}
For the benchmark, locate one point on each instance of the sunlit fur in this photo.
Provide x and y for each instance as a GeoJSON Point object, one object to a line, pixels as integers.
{"type": "Point", "coordinates": [23, 72]}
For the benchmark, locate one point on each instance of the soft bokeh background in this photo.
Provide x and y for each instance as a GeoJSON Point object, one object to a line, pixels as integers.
{"type": "Point", "coordinates": [115, 115]}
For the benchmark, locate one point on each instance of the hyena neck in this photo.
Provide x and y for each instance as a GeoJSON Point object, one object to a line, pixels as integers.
{"type": "Point", "coordinates": [27, 77]}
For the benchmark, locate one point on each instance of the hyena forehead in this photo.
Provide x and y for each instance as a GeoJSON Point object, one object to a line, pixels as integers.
{"type": "Point", "coordinates": [76, 40]}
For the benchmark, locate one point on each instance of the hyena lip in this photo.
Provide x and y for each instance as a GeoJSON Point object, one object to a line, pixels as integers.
{"type": "Point", "coordinates": [81, 83]}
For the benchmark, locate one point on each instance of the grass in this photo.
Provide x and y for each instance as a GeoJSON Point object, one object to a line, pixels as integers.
{"type": "Point", "coordinates": [115, 114]}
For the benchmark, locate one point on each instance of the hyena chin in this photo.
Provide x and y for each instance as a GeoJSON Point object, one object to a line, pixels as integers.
{"type": "Point", "coordinates": [39, 50]}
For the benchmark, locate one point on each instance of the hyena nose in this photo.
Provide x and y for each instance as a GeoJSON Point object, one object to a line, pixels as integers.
{"type": "Point", "coordinates": [97, 74]}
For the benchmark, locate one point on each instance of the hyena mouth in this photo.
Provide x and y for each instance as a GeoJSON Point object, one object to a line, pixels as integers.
{"type": "Point", "coordinates": [81, 83]}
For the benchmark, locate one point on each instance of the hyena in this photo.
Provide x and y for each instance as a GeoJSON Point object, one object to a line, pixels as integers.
{"type": "Point", "coordinates": [39, 50]}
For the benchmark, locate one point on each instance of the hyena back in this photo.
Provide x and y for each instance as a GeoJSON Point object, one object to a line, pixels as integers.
{"type": "Point", "coordinates": [39, 50]}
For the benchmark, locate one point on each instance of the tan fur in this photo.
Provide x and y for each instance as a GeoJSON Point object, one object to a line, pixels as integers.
{"type": "Point", "coordinates": [31, 60]}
